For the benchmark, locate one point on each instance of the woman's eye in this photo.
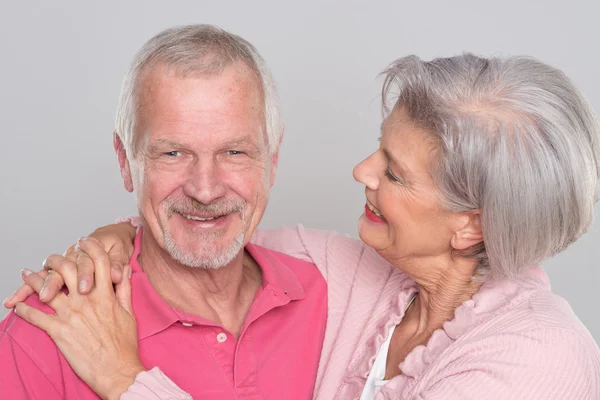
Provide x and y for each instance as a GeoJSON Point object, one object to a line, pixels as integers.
{"type": "Point", "coordinates": [391, 176]}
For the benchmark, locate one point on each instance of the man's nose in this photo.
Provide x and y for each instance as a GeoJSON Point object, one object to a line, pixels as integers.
{"type": "Point", "coordinates": [204, 181]}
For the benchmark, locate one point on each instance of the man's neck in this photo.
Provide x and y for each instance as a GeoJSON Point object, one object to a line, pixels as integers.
{"type": "Point", "coordinates": [220, 295]}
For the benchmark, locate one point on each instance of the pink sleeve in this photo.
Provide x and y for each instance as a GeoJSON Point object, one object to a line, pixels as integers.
{"type": "Point", "coordinates": [333, 253]}
{"type": "Point", "coordinates": [154, 385]}
{"type": "Point", "coordinates": [284, 240]}
{"type": "Point", "coordinates": [549, 364]}
{"type": "Point", "coordinates": [135, 221]}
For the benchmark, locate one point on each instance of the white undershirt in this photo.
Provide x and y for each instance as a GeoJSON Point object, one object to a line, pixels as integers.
{"type": "Point", "coordinates": [375, 379]}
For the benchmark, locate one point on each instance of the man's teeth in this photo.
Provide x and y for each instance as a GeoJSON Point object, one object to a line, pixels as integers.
{"type": "Point", "coordinates": [198, 218]}
{"type": "Point", "coordinates": [374, 211]}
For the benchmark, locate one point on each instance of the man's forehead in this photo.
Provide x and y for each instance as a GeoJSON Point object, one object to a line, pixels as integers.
{"type": "Point", "coordinates": [176, 110]}
{"type": "Point", "coordinates": [235, 140]}
{"type": "Point", "coordinates": [160, 74]}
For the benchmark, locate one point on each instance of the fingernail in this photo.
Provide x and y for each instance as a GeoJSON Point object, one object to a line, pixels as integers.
{"type": "Point", "coordinates": [82, 285]}
{"type": "Point", "coordinates": [26, 272]}
{"type": "Point", "coordinates": [82, 238]}
{"type": "Point", "coordinates": [5, 301]}
{"type": "Point", "coordinates": [43, 291]}
{"type": "Point", "coordinates": [130, 271]}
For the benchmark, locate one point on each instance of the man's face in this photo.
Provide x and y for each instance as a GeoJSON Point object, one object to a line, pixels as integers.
{"type": "Point", "coordinates": [202, 172]}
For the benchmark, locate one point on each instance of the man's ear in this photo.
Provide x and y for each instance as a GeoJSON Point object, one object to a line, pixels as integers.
{"type": "Point", "coordinates": [470, 233]}
{"type": "Point", "coordinates": [275, 158]}
{"type": "Point", "coordinates": [123, 162]}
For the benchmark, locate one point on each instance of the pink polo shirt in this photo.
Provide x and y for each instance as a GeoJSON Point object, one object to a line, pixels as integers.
{"type": "Point", "coordinates": [275, 357]}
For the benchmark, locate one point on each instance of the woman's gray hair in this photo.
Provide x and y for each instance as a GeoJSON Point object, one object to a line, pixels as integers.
{"type": "Point", "coordinates": [196, 50]}
{"type": "Point", "coordinates": [516, 140]}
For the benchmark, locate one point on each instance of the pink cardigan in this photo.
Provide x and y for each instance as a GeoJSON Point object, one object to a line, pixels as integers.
{"type": "Point", "coordinates": [514, 339]}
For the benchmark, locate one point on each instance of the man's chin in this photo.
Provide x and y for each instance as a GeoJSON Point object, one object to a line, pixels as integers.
{"type": "Point", "coordinates": [198, 253]}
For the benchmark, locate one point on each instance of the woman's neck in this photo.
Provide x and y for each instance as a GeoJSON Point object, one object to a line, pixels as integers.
{"type": "Point", "coordinates": [444, 284]}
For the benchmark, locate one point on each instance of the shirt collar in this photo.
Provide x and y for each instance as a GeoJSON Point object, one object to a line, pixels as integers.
{"type": "Point", "coordinates": [276, 274]}
{"type": "Point", "coordinates": [154, 315]}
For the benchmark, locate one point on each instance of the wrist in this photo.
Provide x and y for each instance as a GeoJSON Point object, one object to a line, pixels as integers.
{"type": "Point", "coordinates": [120, 383]}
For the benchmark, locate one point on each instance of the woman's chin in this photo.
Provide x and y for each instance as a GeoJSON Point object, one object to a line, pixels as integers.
{"type": "Point", "coordinates": [373, 234]}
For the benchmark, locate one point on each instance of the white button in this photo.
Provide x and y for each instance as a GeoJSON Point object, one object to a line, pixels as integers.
{"type": "Point", "coordinates": [186, 324]}
{"type": "Point", "coordinates": [221, 338]}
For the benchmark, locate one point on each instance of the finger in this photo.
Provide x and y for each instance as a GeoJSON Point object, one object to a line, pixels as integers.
{"type": "Point", "coordinates": [121, 251]}
{"type": "Point", "coordinates": [118, 240]}
{"type": "Point", "coordinates": [71, 253]}
{"type": "Point", "coordinates": [22, 293]}
{"type": "Point", "coordinates": [37, 282]}
{"type": "Point", "coordinates": [123, 290]}
{"type": "Point", "coordinates": [116, 273]}
{"type": "Point", "coordinates": [34, 316]}
{"type": "Point", "coordinates": [85, 271]}
{"type": "Point", "coordinates": [94, 249]}
{"type": "Point", "coordinates": [65, 272]}
{"type": "Point", "coordinates": [53, 283]}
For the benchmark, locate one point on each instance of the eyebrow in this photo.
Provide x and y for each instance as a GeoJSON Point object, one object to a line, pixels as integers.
{"type": "Point", "coordinates": [244, 141]}
{"type": "Point", "coordinates": [163, 142]}
{"type": "Point", "coordinates": [390, 158]}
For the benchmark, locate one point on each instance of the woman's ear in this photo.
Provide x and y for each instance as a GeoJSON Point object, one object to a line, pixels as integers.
{"type": "Point", "coordinates": [470, 233]}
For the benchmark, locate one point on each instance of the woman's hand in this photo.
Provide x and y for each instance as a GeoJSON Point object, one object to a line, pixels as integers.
{"type": "Point", "coordinates": [96, 332]}
{"type": "Point", "coordinates": [117, 240]}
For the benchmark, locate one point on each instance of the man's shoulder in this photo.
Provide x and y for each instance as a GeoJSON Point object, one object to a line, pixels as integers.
{"type": "Point", "coordinates": [304, 270]}
{"type": "Point", "coordinates": [29, 337]}
{"type": "Point", "coordinates": [28, 349]}
{"type": "Point", "coordinates": [32, 365]}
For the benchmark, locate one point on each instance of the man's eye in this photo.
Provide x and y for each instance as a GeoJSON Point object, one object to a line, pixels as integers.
{"type": "Point", "coordinates": [234, 152]}
{"type": "Point", "coordinates": [172, 153]}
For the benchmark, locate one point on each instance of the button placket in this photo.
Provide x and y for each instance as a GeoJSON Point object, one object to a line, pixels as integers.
{"type": "Point", "coordinates": [221, 337]}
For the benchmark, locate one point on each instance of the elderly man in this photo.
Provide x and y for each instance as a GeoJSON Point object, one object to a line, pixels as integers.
{"type": "Point", "coordinates": [197, 139]}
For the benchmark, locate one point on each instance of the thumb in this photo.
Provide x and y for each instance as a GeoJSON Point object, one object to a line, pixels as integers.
{"type": "Point", "coordinates": [120, 254]}
{"type": "Point", "coordinates": [123, 290]}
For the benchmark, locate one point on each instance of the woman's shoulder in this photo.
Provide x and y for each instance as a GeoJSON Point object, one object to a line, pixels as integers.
{"type": "Point", "coordinates": [533, 325]}
{"type": "Point", "coordinates": [515, 332]}
{"type": "Point", "coordinates": [529, 305]}
{"type": "Point", "coordinates": [512, 318]}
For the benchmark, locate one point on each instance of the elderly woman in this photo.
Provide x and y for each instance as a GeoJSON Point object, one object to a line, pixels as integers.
{"type": "Point", "coordinates": [485, 168]}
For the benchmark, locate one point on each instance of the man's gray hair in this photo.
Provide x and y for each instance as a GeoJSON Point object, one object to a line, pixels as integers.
{"type": "Point", "coordinates": [196, 50]}
{"type": "Point", "coordinates": [516, 140]}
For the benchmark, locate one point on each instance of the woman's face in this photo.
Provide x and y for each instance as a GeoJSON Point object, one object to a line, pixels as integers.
{"type": "Point", "coordinates": [403, 218]}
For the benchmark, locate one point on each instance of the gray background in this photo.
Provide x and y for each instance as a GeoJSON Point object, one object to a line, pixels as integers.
{"type": "Point", "coordinates": [62, 64]}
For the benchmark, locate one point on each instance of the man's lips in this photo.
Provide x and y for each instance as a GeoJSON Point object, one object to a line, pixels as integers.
{"type": "Point", "coordinates": [201, 217]}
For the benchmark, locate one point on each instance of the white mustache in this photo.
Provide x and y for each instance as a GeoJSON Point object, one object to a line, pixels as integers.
{"type": "Point", "coordinates": [190, 205]}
